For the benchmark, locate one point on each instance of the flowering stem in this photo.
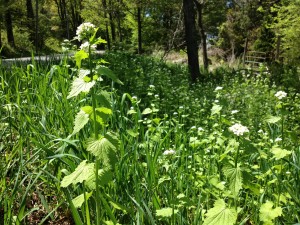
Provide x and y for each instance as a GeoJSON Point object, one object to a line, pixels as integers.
{"type": "Point", "coordinates": [96, 133]}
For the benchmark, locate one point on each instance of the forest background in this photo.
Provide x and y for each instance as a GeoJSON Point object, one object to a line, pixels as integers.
{"type": "Point", "coordinates": [226, 28]}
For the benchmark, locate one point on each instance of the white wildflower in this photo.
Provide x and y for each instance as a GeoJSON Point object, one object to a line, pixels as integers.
{"type": "Point", "coordinates": [234, 111]}
{"type": "Point", "coordinates": [238, 129]}
{"type": "Point", "coordinates": [200, 129]}
{"type": "Point", "coordinates": [85, 46]}
{"type": "Point", "coordinates": [193, 127]}
{"type": "Point", "coordinates": [278, 139]}
{"type": "Point", "coordinates": [280, 94]}
{"type": "Point", "coordinates": [85, 31]}
{"type": "Point", "coordinates": [169, 152]}
{"type": "Point", "coordinates": [218, 88]}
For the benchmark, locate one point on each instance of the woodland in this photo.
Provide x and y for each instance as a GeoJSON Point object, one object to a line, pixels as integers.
{"type": "Point", "coordinates": [180, 112]}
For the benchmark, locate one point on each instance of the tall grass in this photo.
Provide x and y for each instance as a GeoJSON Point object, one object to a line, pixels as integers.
{"type": "Point", "coordinates": [155, 111]}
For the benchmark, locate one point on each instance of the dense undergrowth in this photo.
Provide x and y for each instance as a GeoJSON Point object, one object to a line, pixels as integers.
{"type": "Point", "coordinates": [178, 158]}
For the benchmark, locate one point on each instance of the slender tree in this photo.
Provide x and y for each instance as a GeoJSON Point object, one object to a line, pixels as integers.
{"type": "Point", "coordinates": [30, 20]}
{"type": "Point", "coordinates": [9, 24]}
{"type": "Point", "coordinates": [199, 6]}
{"type": "Point", "coordinates": [191, 39]}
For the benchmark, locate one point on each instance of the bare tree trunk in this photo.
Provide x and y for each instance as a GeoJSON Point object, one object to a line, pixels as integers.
{"type": "Point", "coordinates": [245, 49]}
{"type": "Point", "coordinates": [76, 18]}
{"type": "Point", "coordinates": [278, 47]}
{"type": "Point", "coordinates": [139, 20]}
{"type": "Point", "coordinates": [202, 33]}
{"type": "Point", "coordinates": [106, 24]}
{"type": "Point", "coordinates": [30, 20]}
{"type": "Point", "coordinates": [0, 33]}
{"type": "Point", "coordinates": [9, 26]}
{"type": "Point", "coordinates": [111, 21]}
{"type": "Point", "coordinates": [191, 39]}
{"type": "Point", "coordinates": [36, 26]}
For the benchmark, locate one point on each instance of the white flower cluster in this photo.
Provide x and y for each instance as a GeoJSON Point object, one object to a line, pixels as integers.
{"type": "Point", "coordinates": [169, 152]}
{"type": "Point", "coordinates": [85, 30]}
{"type": "Point", "coordinates": [218, 88]}
{"type": "Point", "coordinates": [238, 129]}
{"type": "Point", "coordinates": [85, 46]}
{"type": "Point", "coordinates": [280, 94]}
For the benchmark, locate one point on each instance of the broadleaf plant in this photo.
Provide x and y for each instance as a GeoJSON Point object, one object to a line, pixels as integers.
{"type": "Point", "coordinates": [101, 143]}
{"type": "Point", "coordinates": [220, 214]}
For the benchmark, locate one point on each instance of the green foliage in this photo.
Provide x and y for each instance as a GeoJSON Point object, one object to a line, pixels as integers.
{"type": "Point", "coordinates": [286, 26]}
{"type": "Point", "coordinates": [79, 200]}
{"type": "Point", "coordinates": [234, 175]}
{"type": "Point", "coordinates": [83, 171]}
{"type": "Point", "coordinates": [220, 214]}
{"type": "Point", "coordinates": [267, 213]}
{"type": "Point", "coordinates": [164, 167]}
{"type": "Point", "coordinates": [104, 148]}
{"type": "Point", "coordinates": [279, 153]}
{"type": "Point", "coordinates": [81, 119]}
{"type": "Point", "coordinates": [166, 212]}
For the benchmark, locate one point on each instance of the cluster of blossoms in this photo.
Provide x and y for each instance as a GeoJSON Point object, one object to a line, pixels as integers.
{"type": "Point", "coordinates": [238, 129]}
{"type": "Point", "coordinates": [85, 46]}
{"type": "Point", "coordinates": [218, 88]}
{"type": "Point", "coordinates": [234, 111]}
{"type": "Point", "coordinates": [280, 95]}
{"type": "Point", "coordinates": [169, 152]}
{"type": "Point", "coordinates": [85, 31]}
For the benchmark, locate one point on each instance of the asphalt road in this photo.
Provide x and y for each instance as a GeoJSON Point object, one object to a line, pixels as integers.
{"type": "Point", "coordinates": [45, 58]}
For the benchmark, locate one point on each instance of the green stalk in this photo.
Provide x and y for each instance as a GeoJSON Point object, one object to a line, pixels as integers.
{"type": "Point", "coordinates": [96, 133]}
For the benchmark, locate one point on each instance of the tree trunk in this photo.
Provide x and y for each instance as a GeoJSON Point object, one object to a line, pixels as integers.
{"type": "Point", "coordinates": [139, 20]}
{"type": "Point", "coordinates": [106, 23]}
{"type": "Point", "coordinates": [76, 18]}
{"type": "Point", "coordinates": [118, 15]}
{"type": "Point", "coordinates": [0, 34]}
{"type": "Point", "coordinates": [30, 20]}
{"type": "Point", "coordinates": [278, 42]}
{"type": "Point", "coordinates": [36, 26]}
{"type": "Point", "coordinates": [111, 21]}
{"type": "Point", "coordinates": [191, 39]}
{"type": "Point", "coordinates": [245, 49]}
{"type": "Point", "coordinates": [9, 26]}
{"type": "Point", "coordinates": [202, 33]}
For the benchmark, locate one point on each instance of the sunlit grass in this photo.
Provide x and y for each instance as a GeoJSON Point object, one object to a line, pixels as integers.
{"type": "Point", "coordinates": [156, 110]}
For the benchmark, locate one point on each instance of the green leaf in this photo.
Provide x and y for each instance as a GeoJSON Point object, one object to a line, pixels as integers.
{"type": "Point", "coordinates": [87, 109]}
{"type": "Point", "coordinates": [100, 41]}
{"type": "Point", "coordinates": [216, 109]}
{"type": "Point", "coordinates": [279, 153]}
{"type": "Point", "coordinates": [102, 70]}
{"type": "Point", "coordinates": [165, 212]}
{"type": "Point", "coordinates": [267, 214]}
{"type": "Point", "coordinates": [272, 119]}
{"type": "Point", "coordinates": [81, 119]}
{"type": "Point", "coordinates": [79, 200]}
{"type": "Point", "coordinates": [104, 99]}
{"type": "Point", "coordinates": [104, 148]}
{"type": "Point", "coordinates": [102, 115]}
{"type": "Point", "coordinates": [79, 56]}
{"type": "Point", "coordinates": [235, 178]}
{"type": "Point", "coordinates": [79, 85]}
{"type": "Point", "coordinates": [147, 111]}
{"type": "Point", "coordinates": [105, 176]}
{"type": "Point", "coordinates": [219, 214]}
{"type": "Point", "coordinates": [104, 110]}
{"type": "Point", "coordinates": [81, 173]}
